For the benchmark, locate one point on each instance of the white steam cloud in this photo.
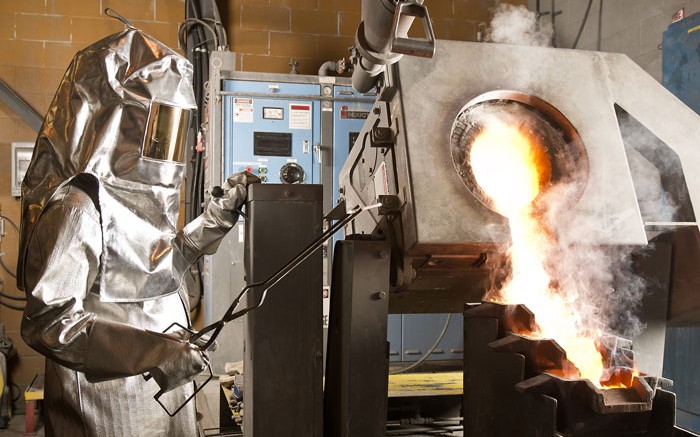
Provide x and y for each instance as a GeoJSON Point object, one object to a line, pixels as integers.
{"type": "Point", "coordinates": [598, 281]}
{"type": "Point", "coordinates": [517, 25]}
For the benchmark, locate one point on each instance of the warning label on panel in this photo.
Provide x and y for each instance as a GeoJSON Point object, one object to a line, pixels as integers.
{"type": "Point", "coordinates": [381, 182]}
{"type": "Point", "coordinates": [299, 116]}
{"type": "Point", "coordinates": [242, 110]}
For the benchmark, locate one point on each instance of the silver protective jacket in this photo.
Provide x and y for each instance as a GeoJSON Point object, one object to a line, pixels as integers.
{"type": "Point", "coordinates": [100, 258]}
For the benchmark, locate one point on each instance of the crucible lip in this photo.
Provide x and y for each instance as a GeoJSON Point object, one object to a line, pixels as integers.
{"type": "Point", "coordinates": [559, 138]}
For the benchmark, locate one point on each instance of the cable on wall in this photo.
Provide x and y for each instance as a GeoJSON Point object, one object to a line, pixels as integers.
{"type": "Point", "coordinates": [199, 34]}
{"type": "Point", "coordinates": [583, 23]}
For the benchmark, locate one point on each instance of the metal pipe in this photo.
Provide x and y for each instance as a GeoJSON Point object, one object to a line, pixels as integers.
{"type": "Point", "coordinates": [363, 79]}
{"type": "Point", "coordinates": [583, 24]}
{"type": "Point", "coordinates": [600, 23]}
{"type": "Point", "coordinates": [553, 13]}
{"type": "Point", "coordinates": [328, 68]}
{"type": "Point", "coordinates": [377, 20]}
{"type": "Point", "coordinates": [374, 38]}
{"type": "Point", "coordinates": [20, 106]}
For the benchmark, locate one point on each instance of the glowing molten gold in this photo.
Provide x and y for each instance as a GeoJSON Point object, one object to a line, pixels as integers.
{"type": "Point", "coordinates": [509, 166]}
{"type": "Point", "coordinates": [512, 169]}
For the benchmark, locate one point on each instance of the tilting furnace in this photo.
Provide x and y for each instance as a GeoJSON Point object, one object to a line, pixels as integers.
{"type": "Point", "coordinates": [623, 147]}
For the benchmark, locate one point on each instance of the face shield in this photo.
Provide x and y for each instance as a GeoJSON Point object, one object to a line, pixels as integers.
{"type": "Point", "coordinates": [166, 132]}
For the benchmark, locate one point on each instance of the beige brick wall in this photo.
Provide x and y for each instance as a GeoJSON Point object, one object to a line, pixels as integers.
{"type": "Point", "coordinates": [267, 33]}
{"type": "Point", "coordinates": [38, 38]}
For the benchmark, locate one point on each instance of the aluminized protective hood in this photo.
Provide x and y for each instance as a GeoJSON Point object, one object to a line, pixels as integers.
{"type": "Point", "coordinates": [96, 125]}
{"type": "Point", "coordinates": [585, 87]}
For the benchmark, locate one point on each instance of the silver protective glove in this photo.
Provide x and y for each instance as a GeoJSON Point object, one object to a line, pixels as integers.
{"type": "Point", "coordinates": [204, 234]}
{"type": "Point", "coordinates": [169, 358]}
{"type": "Point", "coordinates": [182, 366]}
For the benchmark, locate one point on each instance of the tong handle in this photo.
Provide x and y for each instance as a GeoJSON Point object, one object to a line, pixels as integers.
{"type": "Point", "coordinates": [197, 339]}
{"type": "Point", "coordinates": [423, 47]}
{"type": "Point", "coordinates": [197, 389]}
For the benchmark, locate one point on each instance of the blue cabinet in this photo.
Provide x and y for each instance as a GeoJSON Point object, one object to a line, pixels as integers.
{"type": "Point", "coordinates": [681, 60]}
{"type": "Point", "coordinates": [681, 75]}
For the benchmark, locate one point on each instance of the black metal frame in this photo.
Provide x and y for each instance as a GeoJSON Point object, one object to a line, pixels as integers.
{"type": "Point", "coordinates": [357, 361]}
{"type": "Point", "coordinates": [283, 350]}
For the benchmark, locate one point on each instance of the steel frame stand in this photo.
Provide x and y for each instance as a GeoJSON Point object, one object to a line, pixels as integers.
{"type": "Point", "coordinates": [357, 362]}
{"type": "Point", "coordinates": [283, 366]}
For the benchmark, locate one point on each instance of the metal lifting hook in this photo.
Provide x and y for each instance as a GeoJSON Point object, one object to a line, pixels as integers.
{"type": "Point", "coordinates": [205, 342]}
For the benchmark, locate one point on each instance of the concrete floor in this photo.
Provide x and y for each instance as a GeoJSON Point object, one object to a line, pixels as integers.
{"type": "Point", "coordinates": [16, 428]}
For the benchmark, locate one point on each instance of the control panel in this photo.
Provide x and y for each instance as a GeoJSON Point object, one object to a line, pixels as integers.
{"type": "Point", "coordinates": [294, 129]}
{"type": "Point", "coordinates": [272, 130]}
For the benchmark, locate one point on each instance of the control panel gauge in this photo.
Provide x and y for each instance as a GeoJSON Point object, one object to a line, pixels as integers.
{"type": "Point", "coordinates": [273, 113]}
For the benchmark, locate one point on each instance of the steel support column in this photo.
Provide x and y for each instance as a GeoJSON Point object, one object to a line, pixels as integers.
{"type": "Point", "coordinates": [283, 364]}
{"type": "Point", "coordinates": [25, 111]}
{"type": "Point", "coordinates": [355, 402]}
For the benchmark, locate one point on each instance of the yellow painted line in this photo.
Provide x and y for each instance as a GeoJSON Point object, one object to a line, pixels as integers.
{"type": "Point", "coordinates": [425, 384]}
{"type": "Point", "coordinates": [419, 384]}
{"type": "Point", "coordinates": [693, 29]}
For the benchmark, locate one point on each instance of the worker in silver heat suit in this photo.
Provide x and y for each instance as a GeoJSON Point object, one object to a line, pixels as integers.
{"type": "Point", "coordinates": [101, 260]}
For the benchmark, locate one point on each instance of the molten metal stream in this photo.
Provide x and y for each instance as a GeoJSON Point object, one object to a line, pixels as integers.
{"type": "Point", "coordinates": [512, 168]}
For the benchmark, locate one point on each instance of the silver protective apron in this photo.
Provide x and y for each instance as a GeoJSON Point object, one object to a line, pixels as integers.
{"type": "Point", "coordinates": [100, 259]}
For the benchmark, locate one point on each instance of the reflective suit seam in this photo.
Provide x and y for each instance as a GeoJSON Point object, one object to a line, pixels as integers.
{"type": "Point", "coordinates": [80, 402]}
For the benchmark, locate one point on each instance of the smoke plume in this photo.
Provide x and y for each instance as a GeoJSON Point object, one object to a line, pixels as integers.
{"type": "Point", "coordinates": [598, 281]}
{"type": "Point", "coordinates": [516, 25]}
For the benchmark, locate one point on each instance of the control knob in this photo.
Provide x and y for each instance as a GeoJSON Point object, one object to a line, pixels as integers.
{"type": "Point", "coordinates": [292, 173]}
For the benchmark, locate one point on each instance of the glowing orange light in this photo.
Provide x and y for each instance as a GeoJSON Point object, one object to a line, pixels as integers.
{"type": "Point", "coordinates": [509, 166]}
{"type": "Point", "coordinates": [513, 169]}
{"type": "Point", "coordinates": [618, 377]}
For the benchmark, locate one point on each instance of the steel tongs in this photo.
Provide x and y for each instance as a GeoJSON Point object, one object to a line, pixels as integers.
{"type": "Point", "coordinates": [205, 342]}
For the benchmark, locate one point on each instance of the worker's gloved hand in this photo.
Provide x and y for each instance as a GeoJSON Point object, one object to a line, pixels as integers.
{"type": "Point", "coordinates": [116, 350]}
{"type": "Point", "coordinates": [203, 234]}
{"type": "Point", "coordinates": [223, 208]}
{"type": "Point", "coordinates": [181, 362]}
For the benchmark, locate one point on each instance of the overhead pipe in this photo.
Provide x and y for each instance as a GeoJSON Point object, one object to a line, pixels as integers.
{"type": "Point", "coordinates": [20, 106]}
{"type": "Point", "coordinates": [381, 38]}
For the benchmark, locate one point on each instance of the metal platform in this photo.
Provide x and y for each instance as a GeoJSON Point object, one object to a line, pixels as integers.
{"type": "Point", "coordinates": [425, 384]}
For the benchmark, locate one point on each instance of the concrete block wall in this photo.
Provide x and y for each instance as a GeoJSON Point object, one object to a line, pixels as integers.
{"type": "Point", "coordinates": [632, 27]}
{"type": "Point", "coordinates": [265, 34]}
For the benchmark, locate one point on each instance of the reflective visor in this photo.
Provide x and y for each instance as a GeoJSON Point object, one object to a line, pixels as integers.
{"type": "Point", "coordinates": [166, 132]}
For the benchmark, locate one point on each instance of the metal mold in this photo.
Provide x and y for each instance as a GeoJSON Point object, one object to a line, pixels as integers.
{"type": "Point", "coordinates": [507, 392]}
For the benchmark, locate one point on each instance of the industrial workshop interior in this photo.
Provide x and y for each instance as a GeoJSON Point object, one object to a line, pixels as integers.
{"type": "Point", "coordinates": [359, 218]}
